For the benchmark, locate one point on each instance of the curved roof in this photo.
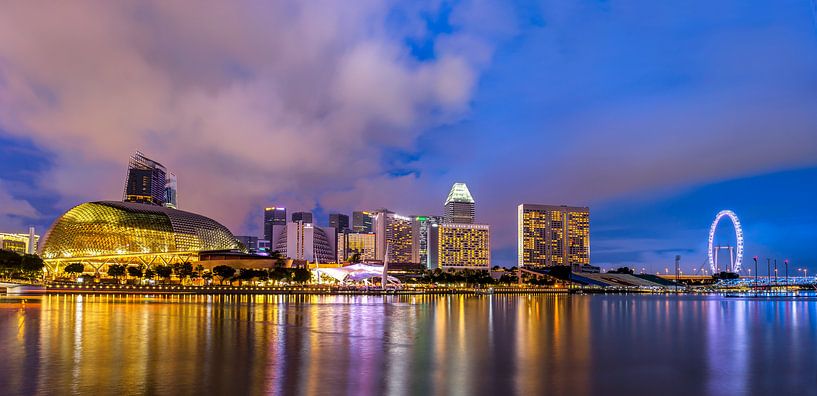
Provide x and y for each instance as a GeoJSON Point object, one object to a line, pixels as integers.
{"type": "Point", "coordinates": [113, 228]}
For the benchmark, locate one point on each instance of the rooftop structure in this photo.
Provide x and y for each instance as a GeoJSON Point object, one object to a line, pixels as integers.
{"type": "Point", "coordinates": [459, 205]}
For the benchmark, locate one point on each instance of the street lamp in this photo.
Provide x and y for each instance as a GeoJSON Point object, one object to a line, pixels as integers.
{"type": "Point", "coordinates": [768, 271]}
{"type": "Point", "coordinates": [786, 261]}
{"type": "Point", "coordinates": [755, 258]}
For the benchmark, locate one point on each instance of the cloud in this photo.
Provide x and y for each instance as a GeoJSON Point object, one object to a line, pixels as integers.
{"type": "Point", "coordinates": [13, 211]}
{"type": "Point", "coordinates": [246, 103]}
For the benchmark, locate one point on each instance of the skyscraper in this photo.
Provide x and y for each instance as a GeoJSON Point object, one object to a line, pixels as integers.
{"type": "Point", "coordinates": [553, 235]}
{"type": "Point", "coordinates": [459, 206]}
{"type": "Point", "coordinates": [394, 231]}
{"type": "Point", "coordinates": [339, 221]}
{"type": "Point", "coordinates": [249, 242]}
{"type": "Point", "coordinates": [146, 181]}
{"type": "Point", "coordinates": [303, 217]}
{"type": "Point", "coordinates": [362, 222]}
{"type": "Point", "coordinates": [170, 191]}
{"type": "Point", "coordinates": [422, 228]}
{"type": "Point", "coordinates": [273, 216]}
{"type": "Point", "coordinates": [460, 246]}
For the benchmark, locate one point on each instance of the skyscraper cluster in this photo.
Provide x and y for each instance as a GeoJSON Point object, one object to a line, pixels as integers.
{"type": "Point", "coordinates": [549, 235]}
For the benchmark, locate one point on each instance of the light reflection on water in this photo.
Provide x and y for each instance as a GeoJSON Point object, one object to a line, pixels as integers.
{"type": "Point", "coordinates": [435, 345]}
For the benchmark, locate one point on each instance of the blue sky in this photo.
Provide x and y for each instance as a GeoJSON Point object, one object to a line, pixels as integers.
{"type": "Point", "coordinates": [655, 114]}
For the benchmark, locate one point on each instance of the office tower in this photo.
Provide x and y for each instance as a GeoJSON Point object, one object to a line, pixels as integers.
{"type": "Point", "coordinates": [249, 242]}
{"type": "Point", "coordinates": [460, 246]}
{"type": "Point", "coordinates": [339, 221]}
{"type": "Point", "coordinates": [422, 227]}
{"type": "Point", "coordinates": [459, 206]}
{"type": "Point", "coordinates": [553, 235]}
{"type": "Point", "coordinates": [362, 222]}
{"type": "Point", "coordinates": [304, 241]}
{"type": "Point", "coordinates": [273, 216]}
{"type": "Point", "coordinates": [146, 181]}
{"type": "Point", "coordinates": [171, 191]}
{"type": "Point", "coordinates": [361, 243]}
{"type": "Point", "coordinates": [303, 217]}
{"type": "Point", "coordinates": [394, 231]}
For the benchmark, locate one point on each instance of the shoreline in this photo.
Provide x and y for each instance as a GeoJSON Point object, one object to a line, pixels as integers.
{"type": "Point", "coordinates": [259, 290]}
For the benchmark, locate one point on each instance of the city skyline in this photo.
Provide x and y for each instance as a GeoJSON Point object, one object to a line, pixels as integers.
{"type": "Point", "coordinates": [656, 120]}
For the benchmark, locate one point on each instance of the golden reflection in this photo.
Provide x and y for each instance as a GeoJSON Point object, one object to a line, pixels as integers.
{"type": "Point", "coordinates": [371, 345]}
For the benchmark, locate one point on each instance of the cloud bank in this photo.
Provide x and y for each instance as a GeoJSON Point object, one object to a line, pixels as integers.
{"type": "Point", "coordinates": [246, 103]}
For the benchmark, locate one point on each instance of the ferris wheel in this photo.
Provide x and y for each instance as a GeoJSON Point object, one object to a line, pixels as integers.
{"type": "Point", "coordinates": [736, 255]}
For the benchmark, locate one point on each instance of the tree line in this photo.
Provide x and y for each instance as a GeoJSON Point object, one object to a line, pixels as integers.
{"type": "Point", "coordinates": [20, 266]}
{"type": "Point", "coordinates": [185, 272]}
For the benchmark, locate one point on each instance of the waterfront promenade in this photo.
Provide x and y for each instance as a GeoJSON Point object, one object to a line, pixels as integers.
{"type": "Point", "coordinates": [68, 288]}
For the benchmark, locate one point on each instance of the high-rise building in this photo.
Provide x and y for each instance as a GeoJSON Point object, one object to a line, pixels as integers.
{"type": "Point", "coordinates": [171, 191]}
{"type": "Point", "coordinates": [395, 232]}
{"type": "Point", "coordinates": [146, 181]}
{"type": "Point", "coordinates": [273, 216]}
{"type": "Point", "coordinates": [303, 217]}
{"type": "Point", "coordinates": [362, 222]}
{"type": "Point", "coordinates": [459, 206]}
{"type": "Point", "coordinates": [361, 243]}
{"type": "Point", "coordinates": [422, 228]}
{"type": "Point", "coordinates": [460, 246]}
{"type": "Point", "coordinates": [339, 221]}
{"type": "Point", "coordinates": [553, 235]}
{"type": "Point", "coordinates": [249, 242]}
{"type": "Point", "coordinates": [20, 243]}
{"type": "Point", "coordinates": [303, 241]}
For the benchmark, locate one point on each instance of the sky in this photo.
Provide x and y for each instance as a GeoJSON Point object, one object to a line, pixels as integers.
{"type": "Point", "coordinates": [656, 115]}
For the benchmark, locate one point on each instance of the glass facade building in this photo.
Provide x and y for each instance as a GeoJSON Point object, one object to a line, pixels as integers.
{"type": "Point", "coordinates": [339, 221]}
{"type": "Point", "coordinates": [421, 233]}
{"type": "Point", "coordinates": [362, 222]}
{"type": "Point", "coordinates": [303, 217]}
{"type": "Point", "coordinates": [148, 182]}
{"type": "Point", "coordinates": [273, 216]}
{"type": "Point", "coordinates": [553, 235]}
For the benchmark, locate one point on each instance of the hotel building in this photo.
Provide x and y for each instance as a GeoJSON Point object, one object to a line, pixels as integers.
{"type": "Point", "coordinates": [361, 243]}
{"type": "Point", "coordinates": [553, 235]}
{"type": "Point", "coordinates": [20, 243]}
{"type": "Point", "coordinates": [304, 241]}
{"type": "Point", "coordinates": [394, 231]}
{"type": "Point", "coordinates": [460, 246]}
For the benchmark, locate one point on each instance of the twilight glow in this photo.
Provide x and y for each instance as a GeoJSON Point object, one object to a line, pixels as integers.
{"type": "Point", "coordinates": [654, 114]}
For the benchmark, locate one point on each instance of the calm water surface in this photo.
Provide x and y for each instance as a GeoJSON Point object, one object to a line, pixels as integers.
{"type": "Point", "coordinates": [425, 345]}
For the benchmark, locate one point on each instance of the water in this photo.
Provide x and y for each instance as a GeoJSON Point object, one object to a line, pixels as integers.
{"type": "Point", "coordinates": [423, 345]}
